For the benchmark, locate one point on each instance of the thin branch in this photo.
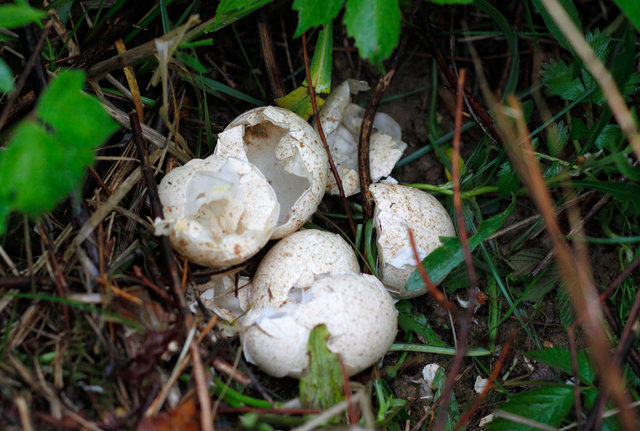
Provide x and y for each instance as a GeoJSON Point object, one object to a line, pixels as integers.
{"type": "Point", "coordinates": [465, 322]}
{"type": "Point", "coordinates": [323, 138]}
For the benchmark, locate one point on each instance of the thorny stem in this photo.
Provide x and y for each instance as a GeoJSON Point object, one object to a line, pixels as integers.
{"type": "Point", "coordinates": [332, 165]}
{"type": "Point", "coordinates": [206, 419]}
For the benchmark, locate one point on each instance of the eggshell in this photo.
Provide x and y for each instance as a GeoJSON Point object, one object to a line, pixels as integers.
{"type": "Point", "coordinates": [341, 123]}
{"type": "Point", "coordinates": [297, 261]}
{"type": "Point", "coordinates": [218, 212]}
{"type": "Point", "coordinates": [226, 296]}
{"type": "Point", "coordinates": [288, 152]}
{"type": "Point", "coordinates": [359, 314]}
{"type": "Point", "coordinates": [399, 208]}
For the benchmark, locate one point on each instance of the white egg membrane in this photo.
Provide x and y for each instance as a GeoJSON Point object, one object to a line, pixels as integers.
{"type": "Point", "coordinates": [288, 177]}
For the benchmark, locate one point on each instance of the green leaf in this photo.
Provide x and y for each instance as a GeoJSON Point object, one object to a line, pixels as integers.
{"type": "Point", "coordinates": [508, 179]}
{"type": "Point", "coordinates": [559, 79]}
{"type": "Point", "coordinates": [449, 255]}
{"type": "Point", "coordinates": [609, 137]}
{"type": "Point", "coordinates": [44, 162]}
{"type": "Point", "coordinates": [560, 358]}
{"type": "Point", "coordinates": [564, 308]}
{"type": "Point", "coordinates": [453, 413]}
{"type": "Point", "coordinates": [320, 69]}
{"type": "Point", "coordinates": [299, 101]}
{"type": "Point", "coordinates": [548, 405]}
{"type": "Point", "coordinates": [6, 77]}
{"type": "Point", "coordinates": [621, 191]}
{"type": "Point", "coordinates": [557, 138]}
{"type": "Point", "coordinates": [232, 10]}
{"type": "Point", "coordinates": [375, 26]}
{"type": "Point", "coordinates": [551, 24]}
{"type": "Point", "coordinates": [12, 16]}
{"type": "Point", "coordinates": [322, 386]}
{"type": "Point", "coordinates": [631, 11]}
{"type": "Point", "coordinates": [417, 323]}
{"type": "Point", "coordinates": [312, 13]}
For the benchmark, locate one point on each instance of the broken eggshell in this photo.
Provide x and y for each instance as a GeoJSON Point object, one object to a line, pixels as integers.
{"type": "Point", "coordinates": [227, 296]}
{"type": "Point", "coordinates": [357, 310]}
{"type": "Point", "coordinates": [297, 261]}
{"type": "Point", "coordinates": [288, 152]}
{"type": "Point", "coordinates": [218, 212]}
{"type": "Point", "coordinates": [399, 208]}
{"type": "Point", "coordinates": [341, 123]}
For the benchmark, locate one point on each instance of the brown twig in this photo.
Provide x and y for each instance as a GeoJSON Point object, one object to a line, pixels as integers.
{"type": "Point", "coordinates": [490, 383]}
{"type": "Point", "coordinates": [576, 377]}
{"type": "Point", "coordinates": [464, 240]}
{"type": "Point", "coordinates": [364, 173]}
{"type": "Point", "coordinates": [332, 165]}
{"type": "Point", "coordinates": [352, 413]}
{"type": "Point", "coordinates": [156, 209]}
{"type": "Point", "coordinates": [431, 287]}
{"type": "Point", "coordinates": [269, 55]}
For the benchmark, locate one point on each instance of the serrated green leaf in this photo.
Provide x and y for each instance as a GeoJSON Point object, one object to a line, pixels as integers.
{"type": "Point", "coordinates": [42, 164]}
{"type": "Point", "coordinates": [12, 16]}
{"type": "Point", "coordinates": [631, 11]}
{"type": "Point", "coordinates": [560, 358]}
{"type": "Point", "coordinates": [558, 136]}
{"type": "Point", "coordinates": [322, 386]}
{"type": "Point", "coordinates": [548, 405]}
{"type": "Point", "coordinates": [449, 255]}
{"type": "Point", "coordinates": [564, 308]}
{"type": "Point", "coordinates": [551, 24]}
{"type": "Point", "coordinates": [375, 26]}
{"type": "Point", "coordinates": [312, 13]}
{"type": "Point", "coordinates": [508, 179]}
{"type": "Point", "coordinates": [229, 11]}
{"type": "Point", "coordinates": [559, 79]}
{"type": "Point", "coordinates": [6, 77]}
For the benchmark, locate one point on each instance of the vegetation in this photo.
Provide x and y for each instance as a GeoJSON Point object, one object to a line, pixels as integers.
{"type": "Point", "coordinates": [520, 117]}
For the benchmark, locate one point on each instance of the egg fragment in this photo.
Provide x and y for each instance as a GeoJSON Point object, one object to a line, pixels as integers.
{"type": "Point", "coordinates": [289, 153]}
{"type": "Point", "coordinates": [296, 262]}
{"type": "Point", "coordinates": [218, 212]}
{"type": "Point", "coordinates": [399, 208]}
{"type": "Point", "coordinates": [341, 122]}
{"type": "Point", "coordinates": [357, 310]}
{"type": "Point", "coordinates": [226, 295]}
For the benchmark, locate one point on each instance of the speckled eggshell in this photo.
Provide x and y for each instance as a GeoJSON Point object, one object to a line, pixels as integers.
{"type": "Point", "coordinates": [357, 310]}
{"type": "Point", "coordinates": [399, 208]}
{"type": "Point", "coordinates": [289, 153]}
{"type": "Point", "coordinates": [218, 212]}
{"type": "Point", "coordinates": [298, 261]}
